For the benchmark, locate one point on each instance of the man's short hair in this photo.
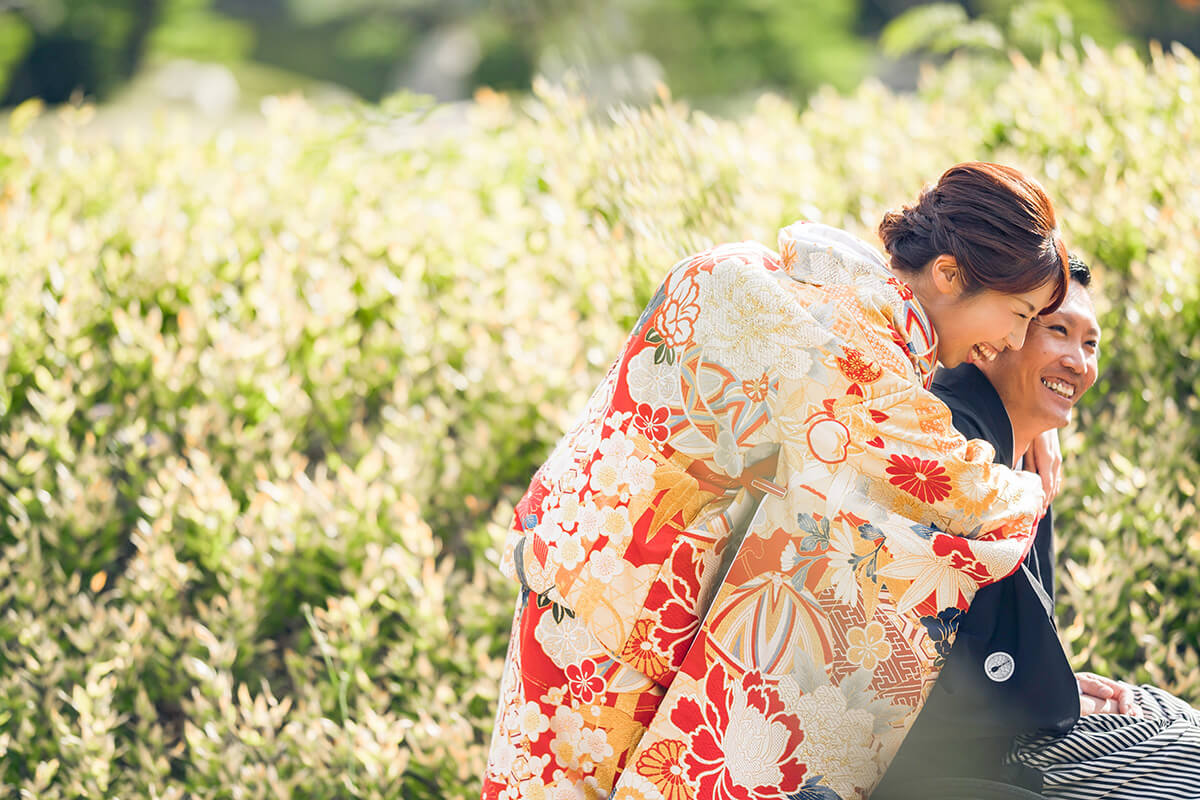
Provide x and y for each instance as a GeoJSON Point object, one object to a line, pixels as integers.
{"type": "Point", "coordinates": [1080, 273]}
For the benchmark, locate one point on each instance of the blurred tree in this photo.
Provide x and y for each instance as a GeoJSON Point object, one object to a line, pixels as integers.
{"type": "Point", "coordinates": [713, 48]}
{"type": "Point", "coordinates": [1163, 20]}
{"type": "Point", "coordinates": [1028, 26]}
{"type": "Point", "coordinates": [89, 46]}
{"type": "Point", "coordinates": [53, 49]}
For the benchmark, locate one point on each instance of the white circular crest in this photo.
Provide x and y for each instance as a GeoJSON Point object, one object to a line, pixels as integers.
{"type": "Point", "coordinates": [999, 666]}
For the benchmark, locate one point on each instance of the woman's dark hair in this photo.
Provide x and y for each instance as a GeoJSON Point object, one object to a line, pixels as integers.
{"type": "Point", "coordinates": [998, 224]}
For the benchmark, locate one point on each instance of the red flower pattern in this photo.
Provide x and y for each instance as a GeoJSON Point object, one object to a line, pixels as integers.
{"type": "Point", "coordinates": [925, 480]}
{"type": "Point", "coordinates": [662, 764]}
{"type": "Point", "coordinates": [712, 762]}
{"type": "Point", "coordinates": [652, 422]}
{"type": "Point", "coordinates": [583, 681]}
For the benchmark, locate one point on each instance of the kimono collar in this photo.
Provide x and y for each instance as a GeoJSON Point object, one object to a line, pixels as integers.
{"type": "Point", "coordinates": [824, 255]}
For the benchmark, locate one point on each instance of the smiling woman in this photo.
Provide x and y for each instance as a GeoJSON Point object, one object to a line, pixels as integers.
{"type": "Point", "coordinates": [764, 530]}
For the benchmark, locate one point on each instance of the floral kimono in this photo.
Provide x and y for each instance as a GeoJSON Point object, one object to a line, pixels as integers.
{"type": "Point", "coordinates": [744, 566]}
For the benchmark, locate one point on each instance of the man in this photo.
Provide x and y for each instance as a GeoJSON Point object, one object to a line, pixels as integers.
{"type": "Point", "coordinates": [1007, 676]}
{"type": "Point", "coordinates": [1007, 672]}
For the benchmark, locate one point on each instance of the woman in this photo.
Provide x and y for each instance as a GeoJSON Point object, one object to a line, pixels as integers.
{"type": "Point", "coordinates": [743, 567]}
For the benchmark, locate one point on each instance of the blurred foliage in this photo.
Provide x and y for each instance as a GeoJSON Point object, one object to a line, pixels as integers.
{"type": "Point", "coordinates": [715, 54]}
{"type": "Point", "coordinates": [54, 49]}
{"type": "Point", "coordinates": [267, 395]}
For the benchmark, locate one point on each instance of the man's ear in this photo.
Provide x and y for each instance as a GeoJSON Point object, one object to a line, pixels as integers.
{"type": "Point", "coordinates": [946, 275]}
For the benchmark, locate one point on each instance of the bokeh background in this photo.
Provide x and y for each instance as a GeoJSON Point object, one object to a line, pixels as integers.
{"type": "Point", "coordinates": [219, 53]}
{"type": "Point", "coordinates": [296, 294]}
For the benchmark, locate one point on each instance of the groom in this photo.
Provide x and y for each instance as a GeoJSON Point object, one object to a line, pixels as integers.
{"type": "Point", "coordinates": [1007, 672]}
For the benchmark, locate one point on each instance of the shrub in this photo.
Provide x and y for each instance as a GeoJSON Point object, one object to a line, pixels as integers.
{"type": "Point", "coordinates": [267, 395]}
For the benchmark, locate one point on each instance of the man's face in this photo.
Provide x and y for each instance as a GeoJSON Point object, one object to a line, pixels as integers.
{"type": "Point", "coordinates": [1041, 383]}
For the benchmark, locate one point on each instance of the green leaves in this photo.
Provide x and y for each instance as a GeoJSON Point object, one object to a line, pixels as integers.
{"type": "Point", "coordinates": [309, 365]}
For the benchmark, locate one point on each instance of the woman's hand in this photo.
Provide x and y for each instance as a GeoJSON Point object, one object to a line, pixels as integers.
{"type": "Point", "coordinates": [1044, 457]}
{"type": "Point", "coordinates": [1100, 695]}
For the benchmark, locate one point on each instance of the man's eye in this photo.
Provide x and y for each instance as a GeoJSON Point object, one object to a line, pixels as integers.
{"type": "Point", "coordinates": [1058, 328]}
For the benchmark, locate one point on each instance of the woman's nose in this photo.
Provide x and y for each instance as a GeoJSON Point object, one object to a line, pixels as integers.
{"type": "Point", "coordinates": [1016, 339]}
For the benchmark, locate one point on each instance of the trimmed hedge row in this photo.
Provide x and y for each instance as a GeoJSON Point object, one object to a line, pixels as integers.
{"type": "Point", "coordinates": [266, 396]}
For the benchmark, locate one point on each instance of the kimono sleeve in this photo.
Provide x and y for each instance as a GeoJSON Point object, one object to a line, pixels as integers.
{"type": "Point", "coordinates": [918, 464]}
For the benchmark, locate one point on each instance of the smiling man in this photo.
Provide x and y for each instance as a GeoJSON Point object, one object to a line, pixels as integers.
{"type": "Point", "coordinates": [1006, 679]}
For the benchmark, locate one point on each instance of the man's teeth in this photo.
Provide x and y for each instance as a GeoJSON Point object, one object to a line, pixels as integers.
{"type": "Point", "coordinates": [1058, 387]}
{"type": "Point", "coordinates": [984, 352]}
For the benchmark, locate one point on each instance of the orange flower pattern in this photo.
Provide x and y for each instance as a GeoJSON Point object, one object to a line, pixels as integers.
{"type": "Point", "coordinates": [743, 565]}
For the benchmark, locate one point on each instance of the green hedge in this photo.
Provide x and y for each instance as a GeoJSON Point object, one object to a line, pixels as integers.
{"type": "Point", "coordinates": [267, 395]}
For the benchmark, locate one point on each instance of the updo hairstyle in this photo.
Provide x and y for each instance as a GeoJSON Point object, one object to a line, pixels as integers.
{"type": "Point", "coordinates": [998, 224]}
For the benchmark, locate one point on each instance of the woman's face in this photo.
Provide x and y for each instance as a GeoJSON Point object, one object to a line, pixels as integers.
{"type": "Point", "coordinates": [978, 327]}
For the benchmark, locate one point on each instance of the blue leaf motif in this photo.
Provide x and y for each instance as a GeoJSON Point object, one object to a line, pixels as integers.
{"type": "Point", "coordinates": [942, 629]}
{"type": "Point", "coordinates": [812, 790]}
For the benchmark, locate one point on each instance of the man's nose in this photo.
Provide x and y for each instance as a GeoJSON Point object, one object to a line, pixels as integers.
{"type": "Point", "coordinates": [1074, 359]}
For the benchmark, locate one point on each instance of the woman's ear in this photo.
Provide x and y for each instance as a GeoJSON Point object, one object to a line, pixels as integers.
{"type": "Point", "coordinates": [946, 275]}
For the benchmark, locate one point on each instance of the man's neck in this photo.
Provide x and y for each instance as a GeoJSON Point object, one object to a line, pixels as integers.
{"type": "Point", "coordinates": [1022, 438]}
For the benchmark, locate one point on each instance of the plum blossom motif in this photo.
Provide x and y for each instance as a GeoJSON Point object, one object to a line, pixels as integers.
{"type": "Point", "coordinates": [584, 682]}
{"type": "Point", "coordinates": [868, 645]}
{"type": "Point", "coordinates": [743, 744]}
{"type": "Point", "coordinates": [652, 422]}
{"type": "Point", "coordinates": [656, 384]}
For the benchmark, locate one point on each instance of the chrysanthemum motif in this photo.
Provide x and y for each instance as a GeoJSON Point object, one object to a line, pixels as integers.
{"type": "Point", "coordinates": [642, 653]}
{"type": "Point", "coordinates": [923, 479]}
{"type": "Point", "coordinates": [662, 764]}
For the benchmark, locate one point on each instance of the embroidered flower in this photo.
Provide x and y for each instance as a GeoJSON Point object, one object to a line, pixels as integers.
{"type": "Point", "coordinates": [532, 722]}
{"type": "Point", "coordinates": [743, 743]}
{"type": "Point", "coordinates": [615, 524]}
{"type": "Point", "coordinates": [662, 764]}
{"type": "Point", "coordinates": [727, 455]}
{"type": "Point", "coordinates": [565, 640]}
{"type": "Point", "coordinates": [942, 629]}
{"type": "Point", "coordinates": [642, 654]}
{"type": "Point", "coordinates": [652, 422]}
{"type": "Point", "coordinates": [605, 565]}
{"type": "Point", "coordinates": [676, 317]}
{"type": "Point", "coordinates": [655, 384]}
{"type": "Point", "coordinates": [857, 368]}
{"type": "Point", "coordinates": [584, 682]}
{"type": "Point", "coordinates": [638, 475]}
{"type": "Point", "coordinates": [757, 390]}
{"type": "Point", "coordinates": [925, 480]}
{"type": "Point", "coordinates": [837, 741]}
{"type": "Point", "coordinates": [868, 646]}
